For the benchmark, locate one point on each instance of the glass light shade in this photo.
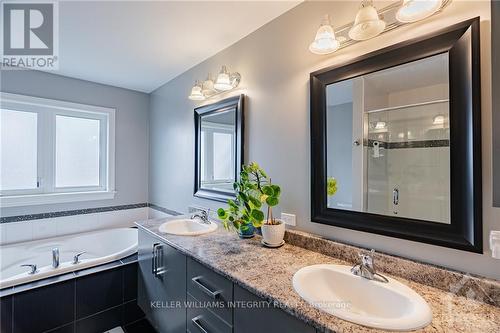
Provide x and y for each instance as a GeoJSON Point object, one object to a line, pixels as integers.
{"type": "Point", "coordinates": [207, 89]}
{"type": "Point", "coordinates": [416, 10]}
{"type": "Point", "coordinates": [367, 24]}
{"type": "Point", "coordinates": [438, 120]}
{"type": "Point", "coordinates": [196, 94]}
{"type": "Point", "coordinates": [325, 41]}
{"type": "Point", "coordinates": [223, 82]}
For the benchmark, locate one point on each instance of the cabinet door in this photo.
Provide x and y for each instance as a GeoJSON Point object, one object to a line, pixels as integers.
{"type": "Point", "coordinates": [148, 286]}
{"type": "Point", "coordinates": [171, 272]}
{"type": "Point", "coordinates": [162, 284]}
{"type": "Point", "coordinates": [270, 319]}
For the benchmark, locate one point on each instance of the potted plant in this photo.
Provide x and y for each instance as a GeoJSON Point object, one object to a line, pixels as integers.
{"type": "Point", "coordinates": [253, 190]}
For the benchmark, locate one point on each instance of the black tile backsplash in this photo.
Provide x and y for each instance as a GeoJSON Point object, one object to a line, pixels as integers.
{"type": "Point", "coordinates": [129, 282]}
{"type": "Point", "coordinates": [94, 302]}
{"type": "Point", "coordinates": [97, 292]}
{"type": "Point", "coordinates": [6, 314]}
{"type": "Point", "coordinates": [42, 309]}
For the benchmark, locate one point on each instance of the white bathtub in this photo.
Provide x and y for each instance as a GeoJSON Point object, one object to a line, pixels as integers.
{"type": "Point", "coordinates": [100, 246]}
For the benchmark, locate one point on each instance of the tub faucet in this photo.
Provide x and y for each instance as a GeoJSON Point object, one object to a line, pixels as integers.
{"type": "Point", "coordinates": [55, 257]}
{"type": "Point", "coordinates": [366, 268]}
{"type": "Point", "coordinates": [202, 215]}
{"type": "Point", "coordinates": [32, 267]}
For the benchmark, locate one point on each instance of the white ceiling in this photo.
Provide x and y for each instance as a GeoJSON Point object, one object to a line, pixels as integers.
{"type": "Point", "coordinates": [141, 45]}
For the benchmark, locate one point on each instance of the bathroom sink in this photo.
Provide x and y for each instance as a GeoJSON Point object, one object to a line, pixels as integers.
{"type": "Point", "coordinates": [384, 305]}
{"type": "Point", "coordinates": [187, 227]}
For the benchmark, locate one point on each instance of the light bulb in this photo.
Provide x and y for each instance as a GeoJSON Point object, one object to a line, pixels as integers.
{"type": "Point", "coordinates": [438, 120]}
{"type": "Point", "coordinates": [196, 94]}
{"type": "Point", "coordinates": [325, 41]}
{"type": "Point", "coordinates": [207, 89]}
{"type": "Point", "coordinates": [223, 82]}
{"type": "Point", "coordinates": [416, 10]}
{"type": "Point", "coordinates": [367, 23]}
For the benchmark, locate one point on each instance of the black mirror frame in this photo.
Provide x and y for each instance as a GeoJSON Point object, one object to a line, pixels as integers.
{"type": "Point", "coordinates": [465, 230]}
{"type": "Point", "coordinates": [233, 103]}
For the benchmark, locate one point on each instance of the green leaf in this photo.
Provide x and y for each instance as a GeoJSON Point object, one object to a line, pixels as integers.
{"type": "Point", "coordinates": [268, 190]}
{"type": "Point", "coordinates": [257, 224]}
{"type": "Point", "coordinates": [276, 190]}
{"type": "Point", "coordinates": [243, 196]}
{"type": "Point", "coordinates": [272, 201]}
{"type": "Point", "coordinates": [236, 224]}
{"type": "Point", "coordinates": [222, 213]}
{"type": "Point", "coordinates": [232, 204]}
{"type": "Point", "coordinates": [256, 202]}
{"type": "Point", "coordinates": [257, 215]}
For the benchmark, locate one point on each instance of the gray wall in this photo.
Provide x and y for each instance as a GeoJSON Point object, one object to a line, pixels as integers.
{"type": "Point", "coordinates": [131, 148]}
{"type": "Point", "coordinates": [275, 64]}
{"type": "Point", "coordinates": [495, 59]}
{"type": "Point", "coordinates": [339, 153]}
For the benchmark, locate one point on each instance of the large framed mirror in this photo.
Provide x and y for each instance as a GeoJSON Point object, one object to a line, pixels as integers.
{"type": "Point", "coordinates": [396, 141]}
{"type": "Point", "coordinates": [218, 148]}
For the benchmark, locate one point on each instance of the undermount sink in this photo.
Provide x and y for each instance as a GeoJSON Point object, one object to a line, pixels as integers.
{"type": "Point", "coordinates": [187, 227]}
{"type": "Point", "coordinates": [373, 303]}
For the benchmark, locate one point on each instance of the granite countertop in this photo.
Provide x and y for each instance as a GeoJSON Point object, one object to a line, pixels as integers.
{"type": "Point", "coordinates": [268, 273]}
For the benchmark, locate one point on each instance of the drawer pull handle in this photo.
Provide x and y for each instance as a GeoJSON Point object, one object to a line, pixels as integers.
{"type": "Point", "coordinates": [196, 322]}
{"type": "Point", "coordinates": [157, 260]}
{"type": "Point", "coordinates": [213, 294]}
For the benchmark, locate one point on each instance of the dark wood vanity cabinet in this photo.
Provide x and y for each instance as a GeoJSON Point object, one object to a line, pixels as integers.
{"type": "Point", "coordinates": [264, 317]}
{"type": "Point", "coordinates": [161, 284]}
{"type": "Point", "coordinates": [179, 294]}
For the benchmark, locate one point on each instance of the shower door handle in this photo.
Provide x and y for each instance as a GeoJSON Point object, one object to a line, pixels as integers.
{"type": "Point", "coordinates": [395, 196]}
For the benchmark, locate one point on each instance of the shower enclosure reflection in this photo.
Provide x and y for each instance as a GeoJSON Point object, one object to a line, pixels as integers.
{"type": "Point", "coordinates": [388, 141]}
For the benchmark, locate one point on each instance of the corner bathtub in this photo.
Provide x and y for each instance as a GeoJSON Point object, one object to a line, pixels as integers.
{"type": "Point", "coordinates": [100, 247]}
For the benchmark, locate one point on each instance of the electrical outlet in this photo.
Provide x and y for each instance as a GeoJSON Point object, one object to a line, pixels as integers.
{"type": "Point", "coordinates": [288, 219]}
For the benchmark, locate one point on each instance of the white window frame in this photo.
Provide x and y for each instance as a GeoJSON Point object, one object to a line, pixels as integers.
{"type": "Point", "coordinates": [209, 128]}
{"type": "Point", "coordinates": [47, 110]}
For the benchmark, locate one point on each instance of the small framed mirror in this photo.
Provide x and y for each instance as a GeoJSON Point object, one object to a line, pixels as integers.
{"type": "Point", "coordinates": [218, 148]}
{"type": "Point", "coordinates": [396, 141]}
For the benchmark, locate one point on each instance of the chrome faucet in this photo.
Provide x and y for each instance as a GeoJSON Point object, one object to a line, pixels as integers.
{"type": "Point", "coordinates": [202, 215]}
{"type": "Point", "coordinates": [366, 268]}
{"type": "Point", "coordinates": [33, 268]}
{"type": "Point", "coordinates": [55, 257]}
{"type": "Point", "coordinates": [76, 258]}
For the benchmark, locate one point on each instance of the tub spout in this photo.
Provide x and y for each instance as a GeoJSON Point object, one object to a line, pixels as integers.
{"type": "Point", "coordinates": [55, 257]}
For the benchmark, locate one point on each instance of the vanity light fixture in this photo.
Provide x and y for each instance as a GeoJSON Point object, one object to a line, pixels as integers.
{"type": "Point", "coordinates": [325, 41]}
{"type": "Point", "coordinates": [370, 22]}
{"type": "Point", "coordinates": [438, 120]}
{"type": "Point", "coordinates": [378, 125]}
{"type": "Point", "coordinates": [225, 81]}
{"type": "Point", "coordinates": [416, 10]}
{"type": "Point", "coordinates": [207, 88]}
{"type": "Point", "coordinates": [367, 23]}
{"type": "Point", "coordinates": [196, 94]}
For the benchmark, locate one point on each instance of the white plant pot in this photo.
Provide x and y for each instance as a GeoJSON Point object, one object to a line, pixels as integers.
{"type": "Point", "coordinates": [273, 234]}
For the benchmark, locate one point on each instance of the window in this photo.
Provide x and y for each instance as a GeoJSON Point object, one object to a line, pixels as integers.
{"type": "Point", "coordinates": [217, 155]}
{"type": "Point", "coordinates": [18, 150]}
{"type": "Point", "coordinates": [53, 151]}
